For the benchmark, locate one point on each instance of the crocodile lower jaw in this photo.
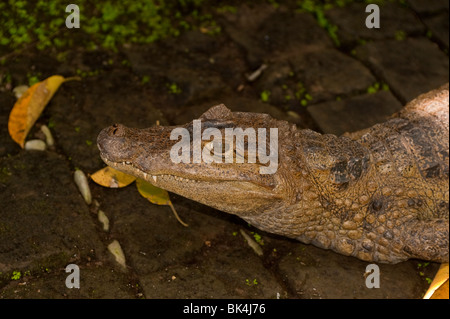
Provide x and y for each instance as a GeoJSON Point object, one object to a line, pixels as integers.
{"type": "Point", "coordinates": [128, 168]}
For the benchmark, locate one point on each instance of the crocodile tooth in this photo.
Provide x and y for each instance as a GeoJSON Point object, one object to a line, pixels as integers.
{"type": "Point", "coordinates": [145, 175]}
{"type": "Point", "coordinates": [154, 178]}
{"type": "Point", "coordinates": [127, 162]}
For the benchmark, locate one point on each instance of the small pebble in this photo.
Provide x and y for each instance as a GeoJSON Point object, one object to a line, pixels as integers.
{"type": "Point", "coordinates": [83, 185]}
{"type": "Point", "coordinates": [253, 244]}
{"type": "Point", "coordinates": [20, 90]}
{"type": "Point", "coordinates": [253, 76]}
{"type": "Point", "coordinates": [48, 135]}
{"type": "Point", "coordinates": [104, 220]}
{"type": "Point", "coordinates": [115, 249]}
{"type": "Point", "coordinates": [35, 145]}
{"type": "Point", "coordinates": [293, 114]}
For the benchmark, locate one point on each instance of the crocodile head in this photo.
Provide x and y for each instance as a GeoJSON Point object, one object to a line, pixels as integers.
{"type": "Point", "coordinates": [238, 188]}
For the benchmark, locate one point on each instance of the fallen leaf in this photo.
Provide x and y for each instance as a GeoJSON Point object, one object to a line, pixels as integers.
{"type": "Point", "coordinates": [439, 281]}
{"type": "Point", "coordinates": [441, 292]}
{"type": "Point", "coordinates": [157, 196]}
{"type": "Point", "coordinates": [154, 194]}
{"type": "Point", "coordinates": [112, 178]}
{"type": "Point", "coordinates": [30, 105]}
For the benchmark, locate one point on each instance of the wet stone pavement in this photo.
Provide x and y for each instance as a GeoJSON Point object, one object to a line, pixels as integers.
{"type": "Point", "coordinates": [46, 225]}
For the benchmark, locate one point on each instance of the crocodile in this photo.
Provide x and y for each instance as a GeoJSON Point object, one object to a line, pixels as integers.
{"type": "Point", "coordinates": [380, 194]}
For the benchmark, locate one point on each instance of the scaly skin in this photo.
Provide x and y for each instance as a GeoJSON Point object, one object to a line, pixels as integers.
{"type": "Point", "coordinates": [380, 194]}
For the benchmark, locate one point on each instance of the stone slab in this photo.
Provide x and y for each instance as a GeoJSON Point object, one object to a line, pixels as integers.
{"type": "Point", "coordinates": [439, 28]}
{"type": "Point", "coordinates": [315, 277]}
{"type": "Point", "coordinates": [428, 6]}
{"type": "Point", "coordinates": [353, 114]}
{"type": "Point", "coordinates": [330, 73]}
{"type": "Point", "coordinates": [97, 281]}
{"type": "Point", "coordinates": [7, 145]}
{"type": "Point", "coordinates": [279, 33]}
{"type": "Point", "coordinates": [44, 221]}
{"type": "Point", "coordinates": [410, 67]}
{"type": "Point", "coordinates": [204, 260]}
{"type": "Point", "coordinates": [394, 18]}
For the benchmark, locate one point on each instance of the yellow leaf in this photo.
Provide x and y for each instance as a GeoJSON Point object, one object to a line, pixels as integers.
{"type": "Point", "coordinates": [152, 193]}
{"type": "Point", "coordinates": [110, 177]}
{"type": "Point", "coordinates": [441, 292]}
{"type": "Point", "coordinates": [30, 106]}
{"type": "Point", "coordinates": [157, 196]}
{"type": "Point", "coordinates": [439, 281]}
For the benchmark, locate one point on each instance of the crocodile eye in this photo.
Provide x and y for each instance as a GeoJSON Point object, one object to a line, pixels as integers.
{"type": "Point", "coordinates": [219, 150]}
{"type": "Point", "coordinates": [241, 151]}
{"type": "Point", "coordinates": [226, 149]}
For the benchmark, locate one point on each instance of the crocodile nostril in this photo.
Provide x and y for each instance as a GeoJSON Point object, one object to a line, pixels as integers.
{"type": "Point", "coordinates": [116, 130]}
